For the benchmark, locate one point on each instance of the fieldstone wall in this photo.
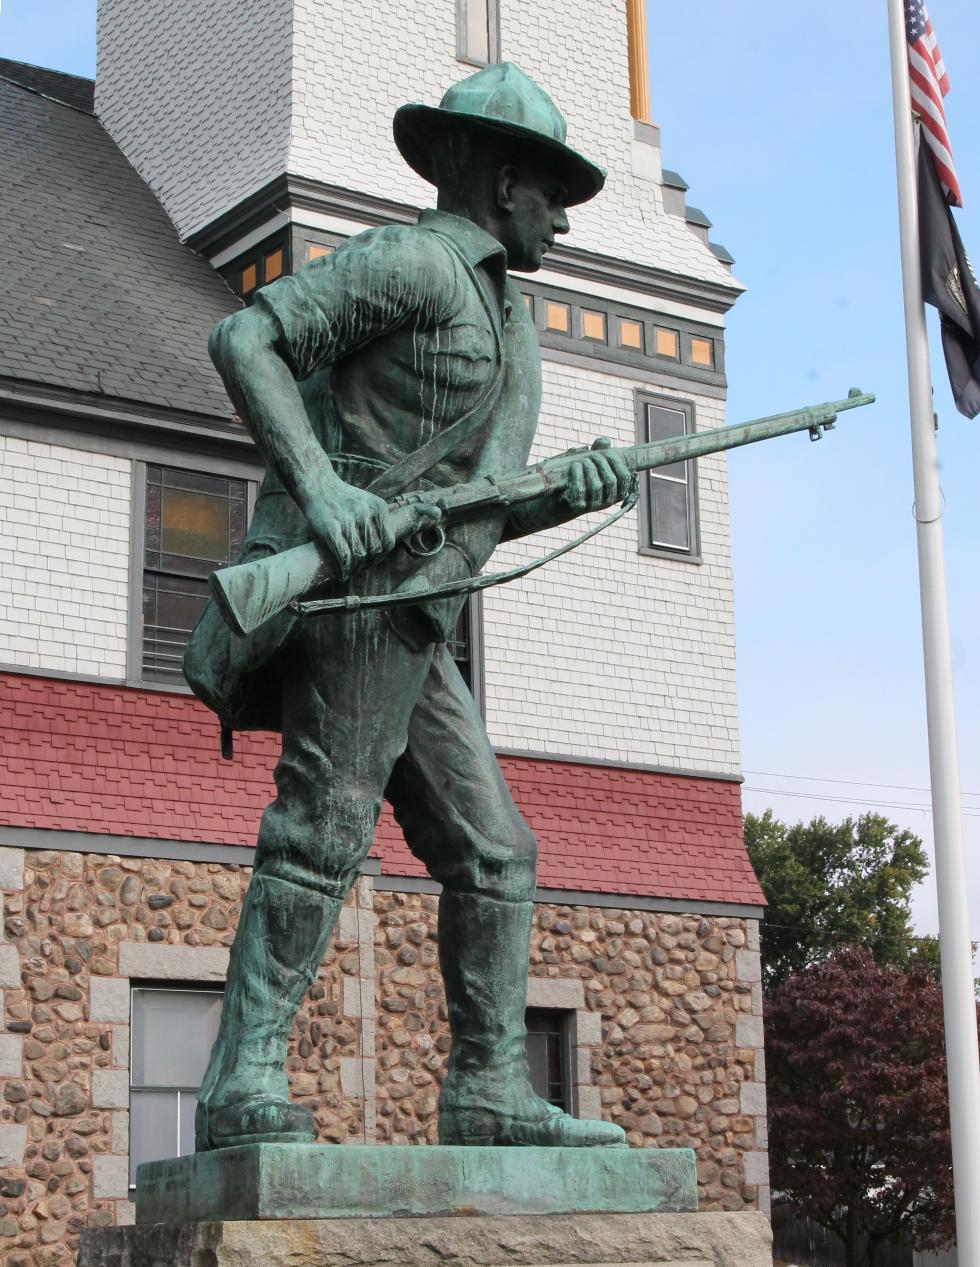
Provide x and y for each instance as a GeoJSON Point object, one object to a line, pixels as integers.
{"type": "Point", "coordinates": [79, 930]}
{"type": "Point", "coordinates": [664, 1011]}
{"type": "Point", "coordinates": [678, 1062]}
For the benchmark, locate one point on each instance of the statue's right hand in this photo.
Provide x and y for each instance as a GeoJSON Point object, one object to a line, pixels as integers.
{"type": "Point", "coordinates": [352, 525]}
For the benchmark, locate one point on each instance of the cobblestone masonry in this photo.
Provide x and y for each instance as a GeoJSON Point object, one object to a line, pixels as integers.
{"type": "Point", "coordinates": [665, 1028]}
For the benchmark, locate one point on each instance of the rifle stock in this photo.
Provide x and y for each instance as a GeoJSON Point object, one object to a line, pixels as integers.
{"type": "Point", "coordinates": [249, 594]}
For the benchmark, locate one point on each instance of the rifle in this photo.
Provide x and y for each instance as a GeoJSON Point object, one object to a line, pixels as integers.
{"type": "Point", "coordinates": [249, 594]}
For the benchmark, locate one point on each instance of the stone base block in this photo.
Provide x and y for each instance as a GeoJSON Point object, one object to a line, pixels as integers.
{"type": "Point", "coordinates": [565, 1240]}
{"type": "Point", "coordinates": [324, 1181]}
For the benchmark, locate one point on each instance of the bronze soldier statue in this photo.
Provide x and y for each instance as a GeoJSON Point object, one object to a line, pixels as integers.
{"type": "Point", "coordinates": [406, 359]}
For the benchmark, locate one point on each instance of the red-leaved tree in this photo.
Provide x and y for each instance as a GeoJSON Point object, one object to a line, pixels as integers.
{"type": "Point", "coordinates": [858, 1103]}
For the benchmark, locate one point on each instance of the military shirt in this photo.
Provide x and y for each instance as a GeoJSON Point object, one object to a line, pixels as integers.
{"type": "Point", "coordinates": [396, 335]}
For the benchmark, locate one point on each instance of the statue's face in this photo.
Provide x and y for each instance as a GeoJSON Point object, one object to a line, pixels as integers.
{"type": "Point", "coordinates": [535, 204]}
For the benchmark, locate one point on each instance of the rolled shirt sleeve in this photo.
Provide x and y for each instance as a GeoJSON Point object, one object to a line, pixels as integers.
{"type": "Point", "coordinates": [366, 288]}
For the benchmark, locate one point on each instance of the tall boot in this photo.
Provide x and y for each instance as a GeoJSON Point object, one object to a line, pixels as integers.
{"type": "Point", "coordinates": [487, 1097]}
{"type": "Point", "coordinates": [244, 1099]}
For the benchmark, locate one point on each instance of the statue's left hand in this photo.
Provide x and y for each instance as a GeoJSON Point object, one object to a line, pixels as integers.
{"type": "Point", "coordinates": [600, 478]}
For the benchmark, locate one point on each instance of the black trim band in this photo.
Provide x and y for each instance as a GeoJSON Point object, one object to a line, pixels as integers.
{"type": "Point", "coordinates": [301, 193]}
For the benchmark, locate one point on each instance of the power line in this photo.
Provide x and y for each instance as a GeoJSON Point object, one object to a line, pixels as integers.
{"type": "Point", "coordinates": [815, 778]}
{"type": "Point", "coordinates": [845, 800]}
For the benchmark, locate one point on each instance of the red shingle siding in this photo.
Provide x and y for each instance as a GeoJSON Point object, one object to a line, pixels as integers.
{"type": "Point", "coordinates": [82, 757]}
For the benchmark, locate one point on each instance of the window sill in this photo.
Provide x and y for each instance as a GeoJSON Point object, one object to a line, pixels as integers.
{"type": "Point", "coordinates": [678, 556]}
{"type": "Point", "coordinates": [166, 688]}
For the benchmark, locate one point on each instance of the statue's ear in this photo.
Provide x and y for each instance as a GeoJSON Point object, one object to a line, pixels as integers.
{"type": "Point", "coordinates": [507, 178]}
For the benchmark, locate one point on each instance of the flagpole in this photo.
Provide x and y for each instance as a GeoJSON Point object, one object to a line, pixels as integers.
{"type": "Point", "coordinates": [959, 1002]}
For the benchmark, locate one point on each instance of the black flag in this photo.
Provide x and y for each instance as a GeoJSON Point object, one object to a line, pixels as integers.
{"type": "Point", "coordinates": [949, 284]}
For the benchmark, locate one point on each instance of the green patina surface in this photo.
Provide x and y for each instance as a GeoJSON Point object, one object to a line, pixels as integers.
{"type": "Point", "coordinates": [405, 361]}
{"type": "Point", "coordinates": [302, 1181]}
{"type": "Point", "coordinates": [403, 365]}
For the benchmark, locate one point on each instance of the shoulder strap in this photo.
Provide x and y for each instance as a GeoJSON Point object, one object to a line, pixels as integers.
{"type": "Point", "coordinates": [395, 479]}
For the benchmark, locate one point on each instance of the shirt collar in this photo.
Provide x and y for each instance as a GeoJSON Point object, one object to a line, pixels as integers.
{"type": "Point", "coordinates": [477, 245]}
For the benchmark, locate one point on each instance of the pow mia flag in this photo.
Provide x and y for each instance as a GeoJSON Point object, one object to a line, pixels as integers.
{"type": "Point", "coordinates": [949, 284]}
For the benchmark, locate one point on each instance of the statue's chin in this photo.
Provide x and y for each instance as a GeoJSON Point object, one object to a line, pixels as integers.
{"type": "Point", "coordinates": [525, 264]}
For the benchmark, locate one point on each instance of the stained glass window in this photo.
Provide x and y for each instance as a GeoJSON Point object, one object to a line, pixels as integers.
{"type": "Point", "coordinates": [193, 524]}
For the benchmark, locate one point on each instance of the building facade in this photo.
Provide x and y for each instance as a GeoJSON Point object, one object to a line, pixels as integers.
{"type": "Point", "coordinates": [224, 146]}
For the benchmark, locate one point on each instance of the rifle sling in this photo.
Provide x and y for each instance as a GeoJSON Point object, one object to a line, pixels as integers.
{"type": "Point", "coordinates": [353, 602]}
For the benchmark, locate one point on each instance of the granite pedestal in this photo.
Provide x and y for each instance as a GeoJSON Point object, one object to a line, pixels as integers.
{"type": "Point", "coordinates": [360, 1206]}
{"type": "Point", "coordinates": [553, 1240]}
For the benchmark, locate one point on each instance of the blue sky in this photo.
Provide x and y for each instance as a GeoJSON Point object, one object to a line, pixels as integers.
{"type": "Point", "coordinates": [779, 117]}
{"type": "Point", "coordinates": [780, 121]}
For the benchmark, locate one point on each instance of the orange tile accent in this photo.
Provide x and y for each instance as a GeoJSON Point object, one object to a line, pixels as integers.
{"type": "Point", "coordinates": [250, 278]}
{"type": "Point", "coordinates": [273, 265]}
{"type": "Point", "coordinates": [593, 325]}
{"type": "Point", "coordinates": [630, 334]}
{"type": "Point", "coordinates": [636, 42]}
{"type": "Point", "coordinates": [316, 251]}
{"type": "Point", "coordinates": [702, 353]}
{"type": "Point", "coordinates": [557, 316]}
{"type": "Point", "coordinates": [665, 342]}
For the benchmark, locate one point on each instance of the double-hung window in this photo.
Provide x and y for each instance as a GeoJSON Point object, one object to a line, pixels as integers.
{"type": "Point", "coordinates": [669, 504]}
{"type": "Point", "coordinates": [548, 1055]}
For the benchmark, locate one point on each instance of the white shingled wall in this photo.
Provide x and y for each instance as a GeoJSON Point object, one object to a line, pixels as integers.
{"type": "Point", "coordinates": [210, 99]}
{"type": "Point", "coordinates": [606, 652]}
{"type": "Point", "coordinates": [197, 95]}
{"type": "Point", "coordinates": [64, 558]}
{"type": "Point", "coordinates": [350, 75]}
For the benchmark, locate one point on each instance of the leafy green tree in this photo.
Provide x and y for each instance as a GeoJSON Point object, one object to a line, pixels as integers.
{"type": "Point", "coordinates": [828, 885]}
{"type": "Point", "coordinates": [858, 1103]}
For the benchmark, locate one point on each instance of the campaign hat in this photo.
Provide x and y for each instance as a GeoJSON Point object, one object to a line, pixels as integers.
{"type": "Point", "coordinates": [503, 100]}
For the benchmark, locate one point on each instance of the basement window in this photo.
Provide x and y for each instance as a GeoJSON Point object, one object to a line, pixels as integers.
{"type": "Point", "coordinates": [548, 1055]}
{"type": "Point", "coordinates": [172, 1034]}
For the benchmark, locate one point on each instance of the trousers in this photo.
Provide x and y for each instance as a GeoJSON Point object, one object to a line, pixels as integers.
{"type": "Point", "coordinates": [369, 713]}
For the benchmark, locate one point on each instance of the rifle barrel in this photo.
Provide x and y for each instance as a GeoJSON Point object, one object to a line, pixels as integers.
{"type": "Point", "coordinates": [680, 448]}
{"type": "Point", "coordinates": [249, 594]}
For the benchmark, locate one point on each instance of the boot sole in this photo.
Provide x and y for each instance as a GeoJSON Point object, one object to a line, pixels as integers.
{"type": "Point", "coordinates": [478, 1128]}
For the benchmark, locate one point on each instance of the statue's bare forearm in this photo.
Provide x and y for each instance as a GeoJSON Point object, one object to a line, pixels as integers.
{"type": "Point", "coordinates": [350, 523]}
{"type": "Point", "coordinates": [264, 392]}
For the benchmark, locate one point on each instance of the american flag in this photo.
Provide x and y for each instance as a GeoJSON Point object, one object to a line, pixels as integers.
{"type": "Point", "coordinates": [929, 83]}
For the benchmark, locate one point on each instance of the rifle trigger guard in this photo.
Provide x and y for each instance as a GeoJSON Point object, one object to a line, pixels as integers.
{"type": "Point", "coordinates": [427, 541]}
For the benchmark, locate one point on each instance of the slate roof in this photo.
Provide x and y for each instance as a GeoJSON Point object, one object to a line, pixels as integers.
{"type": "Point", "coordinates": [99, 294]}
